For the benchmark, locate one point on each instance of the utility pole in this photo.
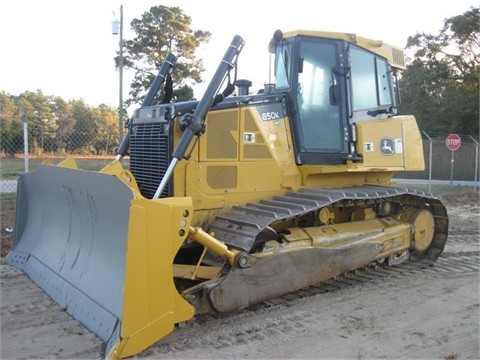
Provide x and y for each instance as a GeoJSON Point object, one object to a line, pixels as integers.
{"type": "Point", "coordinates": [117, 29]}
{"type": "Point", "coordinates": [120, 65]}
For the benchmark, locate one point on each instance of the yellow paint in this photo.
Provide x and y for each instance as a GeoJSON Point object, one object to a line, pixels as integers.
{"type": "Point", "coordinates": [392, 53]}
{"type": "Point", "coordinates": [242, 158]}
{"type": "Point", "coordinates": [406, 146]}
{"type": "Point", "coordinates": [193, 272]}
{"type": "Point", "coordinates": [391, 235]}
{"type": "Point", "coordinates": [69, 162]}
{"type": "Point", "coordinates": [115, 168]}
{"type": "Point", "coordinates": [152, 304]}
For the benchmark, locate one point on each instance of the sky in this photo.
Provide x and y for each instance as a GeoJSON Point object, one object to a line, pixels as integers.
{"type": "Point", "coordinates": [66, 48]}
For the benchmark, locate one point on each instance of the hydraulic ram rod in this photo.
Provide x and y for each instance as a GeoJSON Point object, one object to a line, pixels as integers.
{"type": "Point", "coordinates": [195, 123]}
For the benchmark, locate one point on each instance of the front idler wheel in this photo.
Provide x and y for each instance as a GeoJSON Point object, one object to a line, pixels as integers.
{"type": "Point", "coordinates": [423, 228]}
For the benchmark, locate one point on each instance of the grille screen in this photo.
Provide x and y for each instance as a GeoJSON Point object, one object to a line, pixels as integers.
{"type": "Point", "coordinates": [398, 58]}
{"type": "Point", "coordinates": [150, 155]}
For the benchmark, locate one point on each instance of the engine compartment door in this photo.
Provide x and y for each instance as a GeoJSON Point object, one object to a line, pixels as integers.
{"type": "Point", "coordinates": [390, 143]}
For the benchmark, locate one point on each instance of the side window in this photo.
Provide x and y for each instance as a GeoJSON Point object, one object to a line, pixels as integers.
{"type": "Point", "coordinates": [282, 65]}
{"type": "Point", "coordinates": [384, 97]}
{"type": "Point", "coordinates": [369, 79]}
{"type": "Point", "coordinates": [364, 89]}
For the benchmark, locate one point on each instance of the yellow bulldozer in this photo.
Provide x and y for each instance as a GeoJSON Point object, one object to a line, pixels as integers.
{"type": "Point", "coordinates": [236, 198]}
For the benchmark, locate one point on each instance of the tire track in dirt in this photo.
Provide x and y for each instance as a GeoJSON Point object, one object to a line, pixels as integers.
{"type": "Point", "coordinates": [34, 315]}
{"type": "Point", "coordinates": [332, 320]}
{"type": "Point", "coordinates": [33, 326]}
{"type": "Point", "coordinates": [272, 320]}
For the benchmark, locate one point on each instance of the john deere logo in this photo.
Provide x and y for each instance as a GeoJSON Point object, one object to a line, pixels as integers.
{"type": "Point", "coordinates": [387, 146]}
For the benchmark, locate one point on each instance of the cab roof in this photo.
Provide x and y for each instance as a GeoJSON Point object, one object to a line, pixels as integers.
{"type": "Point", "coordinates": [393, 54]}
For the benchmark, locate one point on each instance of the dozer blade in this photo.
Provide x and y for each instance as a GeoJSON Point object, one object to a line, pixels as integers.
{"type": "Point", "coordinates": [103, 252]}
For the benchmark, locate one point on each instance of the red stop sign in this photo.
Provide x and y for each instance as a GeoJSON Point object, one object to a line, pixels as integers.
{"type": "Point", "coordinates": [453, 142]}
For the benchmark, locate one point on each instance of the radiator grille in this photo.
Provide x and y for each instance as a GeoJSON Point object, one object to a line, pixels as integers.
{"type": "Point", "coordinates": [150, 155]}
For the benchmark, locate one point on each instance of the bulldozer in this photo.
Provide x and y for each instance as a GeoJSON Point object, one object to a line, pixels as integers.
{"type": "Point", "coordinates": [236, 198]}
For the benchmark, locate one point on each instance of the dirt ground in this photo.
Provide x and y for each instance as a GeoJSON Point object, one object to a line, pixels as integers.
{"type": "Point", "coordinates": [431, 313]}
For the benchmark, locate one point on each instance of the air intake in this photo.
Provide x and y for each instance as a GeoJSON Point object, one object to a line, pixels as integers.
{"type": "Point", "coordinates": [398, 58]}
{"type": "Point", "coordinates": [150, 155]}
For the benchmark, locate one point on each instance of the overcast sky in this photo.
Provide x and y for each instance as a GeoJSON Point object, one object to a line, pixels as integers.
{"type": "Point", "coordinates": [66, 48]}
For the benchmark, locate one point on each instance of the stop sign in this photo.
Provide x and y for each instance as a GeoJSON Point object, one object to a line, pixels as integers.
{"type": "Point", "coordinates": [453, 142]}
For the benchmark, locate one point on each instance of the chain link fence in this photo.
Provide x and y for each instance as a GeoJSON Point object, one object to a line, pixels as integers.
{"type": "Point", "coordinates": [444, 163]}
{"type": "Point", "coordinates": [441, 164]}
{"type": "Point", "coordinates": [29, 154]}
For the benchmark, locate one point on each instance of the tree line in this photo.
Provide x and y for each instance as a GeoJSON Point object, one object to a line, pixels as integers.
{"type": "Point", "coordinates": [440, 85]}
{"type": "Point", "coordinates": [55, 125]}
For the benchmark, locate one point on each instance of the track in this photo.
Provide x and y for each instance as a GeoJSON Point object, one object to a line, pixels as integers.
{"type": "Point", "coordinates": [241, 226]}
{"type": "Point", "coordinates": [446, 265]}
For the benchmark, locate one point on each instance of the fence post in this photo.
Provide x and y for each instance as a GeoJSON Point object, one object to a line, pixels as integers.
{"type": "Point", "coordinates": [476, 164]}
{"type": "Point", "coordinates": [429, 162]}
{"type": "Point", "coordinates": [25, 134]}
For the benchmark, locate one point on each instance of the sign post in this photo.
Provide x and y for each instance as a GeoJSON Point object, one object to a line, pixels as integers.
{"type": "Point", "coordinates": [453, 142]}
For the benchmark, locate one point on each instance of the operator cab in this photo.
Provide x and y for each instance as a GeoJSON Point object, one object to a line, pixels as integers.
{"type": "Point", "coordinates": [332, 83]}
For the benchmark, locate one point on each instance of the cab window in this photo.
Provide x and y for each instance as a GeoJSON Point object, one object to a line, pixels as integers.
{"type": "Point", "coordinates": [282, 65]}
{"type": "Point", "coordinates": [320, 123]}
{"type": "Point", "coordinates": [369, 80]}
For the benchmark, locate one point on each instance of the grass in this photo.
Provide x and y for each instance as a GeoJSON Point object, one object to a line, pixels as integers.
{"type": "Point", "coordinates": [7, 221]}
{"type": "Point", "coordinates": [12, 167]}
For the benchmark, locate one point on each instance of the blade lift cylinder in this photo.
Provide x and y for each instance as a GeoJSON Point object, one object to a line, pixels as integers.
{"type": "Point", "coordinates": [195, 123]}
